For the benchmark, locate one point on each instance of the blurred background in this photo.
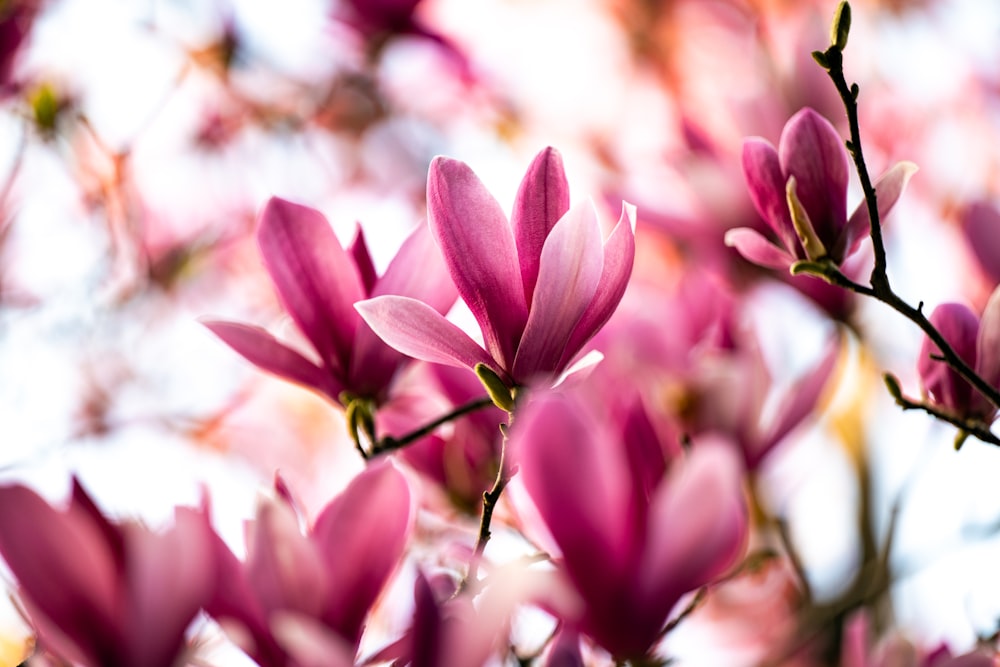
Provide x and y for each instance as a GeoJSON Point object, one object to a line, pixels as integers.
{"type": "Point", "coordinates": [138, 141]}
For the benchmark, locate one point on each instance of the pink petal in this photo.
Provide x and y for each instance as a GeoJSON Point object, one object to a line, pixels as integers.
{"type": "Point", "coordinates": [757, 249]}
{"type": "Point", "coordinates": [316, 279]}
{"type": "Point", "coordinates": [568, 276]}
{"type": "Point", "coordinates": [697, 526]}
{"type": "Point", "coordinates": [796, 404]}
{"type": "Point", "coordinates": [479, 249]}
{"type": "Point", "coordinates": [888, 189]}
{"type": "Point", "coordinates": [283, 565]}
{"type": "Point", "coordinates": [417, 330]}
{"type": "Point", "coordinates": [811, 150]}
{"type": "Point", "coordinates": [618, 258]}
{"type": "Point", "coordinates": [988, 350]}
{"type": "Point", "coordinates": [766, 183]}
{"type": "Point", "coordinates": [981, 224]}
{"type": "Point", "coordinates": [310, 643]}
{"type": "Point", "coordinates": [960, 327]}
{"type": "Point", "coordinates": [542, 199]}
{"type": "Point", "coordinates": [577, 478]}
{"type": "Point", "coordinates": [267, 353]}
{"type": "Point", "coordinates": [64, 568]}
{"type": "Point", "coordinates": [361, 536]}
{"type": "Point", "coordinates": [417, 271]}
{"type": "Point", "coordinates": [363, 260]}
{"type": "Point", "coordinates": [171, 575]}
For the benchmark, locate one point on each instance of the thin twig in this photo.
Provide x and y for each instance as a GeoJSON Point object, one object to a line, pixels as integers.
{"type": "Point", "coordinates": [390, 443]}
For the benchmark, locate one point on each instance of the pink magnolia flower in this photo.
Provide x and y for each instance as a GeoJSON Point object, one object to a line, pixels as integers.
{"type": "Point", "coordinates": [296, 594]}
{"type": "Point", "coordinates": [981, 225]}
{"type": "Point", "coordinates": [540, 287]}
{"type": "Point", "coordinates": [800, 190]}
{"type": "Point", "coordinates": [977, 342]}
{"type": "Point", "coordinates": [631, 546]}
{"type": "Point", "coordinates": [100, 593]}
{"type": "Point", "coordinates": [896, 651]}
{"type": "Point", "coordinates": [318, 282]}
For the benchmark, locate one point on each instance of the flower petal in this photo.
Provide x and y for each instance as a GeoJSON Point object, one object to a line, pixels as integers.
{"type": "Point", "coordinates": [283, 565]}
{"type": "Point", "coordinates": [358, 251]}
{"type": "Point", "coordinates": [757, 249]}
{"type": "Point", "coordinates": [697, 527]}
{"type": "Point", "coordinates": [795, 404]}
{"type": "Point", "coordinates": [417, 271]}
{"type": "Point", "coordinates": [811, 150]}
{"type": "Point", "coordinates": [361, 536]}
{"type": "Point", "coordinates": [542, 199]}
{"type": "Point", "coordinates": [64, 568]}
{"type": "Point", "coordinates": [766, 183]}
{"type": "Point", "coordinates": [478, 247]}
{"type": "Point", "coordinates": [417, 330]}
{"type": "Point", "coordinates": [578, 479]}
{"type": "Point", "coordinates": [889, 187]}
{"type": "Point", "coordinates": [960, 327]}
{"type": "Point", "coordinates": [315, 277]}
{"type": "Point", "coordinates": [568, 276]}
{"type": "Point", "coordinates": [981, 224]}
{"type": "Point", "coordinates": [619, 256]}
{"type": "Point", "coordinates": [988, 351]}
{"type": "Point", "coordinates": [267, 353]}
{"type": "Point", "coordinates": [170, 577]}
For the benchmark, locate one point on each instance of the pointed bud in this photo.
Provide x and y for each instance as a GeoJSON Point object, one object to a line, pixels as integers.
{"type": "Point", "coordinates": [841, 26]}
{"type": "Point", "coordinates": [803, 226]}
{"type": "Point", "coordinates": [892, 384]}
{"type": "Point", "coordinates": [499, 392]}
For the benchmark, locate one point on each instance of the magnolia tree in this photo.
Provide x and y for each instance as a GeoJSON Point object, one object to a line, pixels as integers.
{"type": "Point", "coordinates": [576, 434]}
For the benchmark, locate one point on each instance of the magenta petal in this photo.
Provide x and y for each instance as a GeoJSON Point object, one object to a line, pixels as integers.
{"type": "Point", "coordinates": [697, 526]}
{"type": "Point", "coordinates": [316, 279]}
{"type": "Point", "coordinates": [358, 251]}
{"type": "Point", "coordinates": [417, 330]}
{"type": "Point", "coordinates": [988, 350]}
{"type": "Point", "coordinates": [757, 249]}
{"type": "Point", "coordinates": [171, 576]}
{"type": "Point", "coordinates": [577, 478]}
{"type": "Point", "coordinates": [64, 569]}
{"type": "Point", "coordinates": [796, 404]}
{"type": "Point", "coordinates": [283, 565]}
{"type": "Point", "coordinates": [361, 536]}
{"type": "Point", "coordinates": [981, 224]}
{"type": "Point", "coordinates": [570, 270]}
{"type": "Point", "coordinates": [889, 187]}
{"type": "Point", "coordinates": [542, 199]}
{"type": "Point", "coordinates": [811, 150]}
{"type": "Point", "coordinates": [479, 249]}
{"type": "Point", "coordinates": [417, 271]}
{"type": "Point", "coordinates": [960, 327]}
{"type": "Point", "coordinates": [619, 255]}
{"type": "Point", "coordinates": [267, 353]}
{"type": "Point", "coordinates": [766, 183]}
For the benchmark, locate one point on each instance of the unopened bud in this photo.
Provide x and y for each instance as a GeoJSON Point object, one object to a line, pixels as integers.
{"type": "Point", "coordinates": [841, 26]}
{"type": "Point", "coordinates": [499, 392]}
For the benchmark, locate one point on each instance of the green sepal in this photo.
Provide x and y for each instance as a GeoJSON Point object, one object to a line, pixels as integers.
{"type": "Point", "coordinates": [501, 395]}
{"type": "Point", "coordinates": [892, 384]}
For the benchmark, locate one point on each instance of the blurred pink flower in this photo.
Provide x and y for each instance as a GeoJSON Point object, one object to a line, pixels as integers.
{"type": "Point", "coordinates": [16, 20]}
{"type": "Point", "coordinates": [100, 593]}
{"type": "Point", "coordinates": [981, 224]}
{"type": "Point", "coordinates": [631, 545]}
{"type": "Point", "coordinates": [540, 286]}
{"type": "Point", "coordinates": [296, 594]}
{"type": "Point", "coordinates": [896, 651]}
{"type": "Point", "coordinates": [800, 190]}
{"type": "Point", "coordinates": [977, 342]}
{"type": "Point", "coordinates": [318, 283]}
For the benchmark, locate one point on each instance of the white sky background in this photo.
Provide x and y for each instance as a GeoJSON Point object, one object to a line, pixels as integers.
{"type": "Point", "coordinates": [126, 73]}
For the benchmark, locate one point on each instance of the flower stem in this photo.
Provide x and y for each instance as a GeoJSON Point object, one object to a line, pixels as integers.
{"type": "Point", "coordinates": [389, 443]}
